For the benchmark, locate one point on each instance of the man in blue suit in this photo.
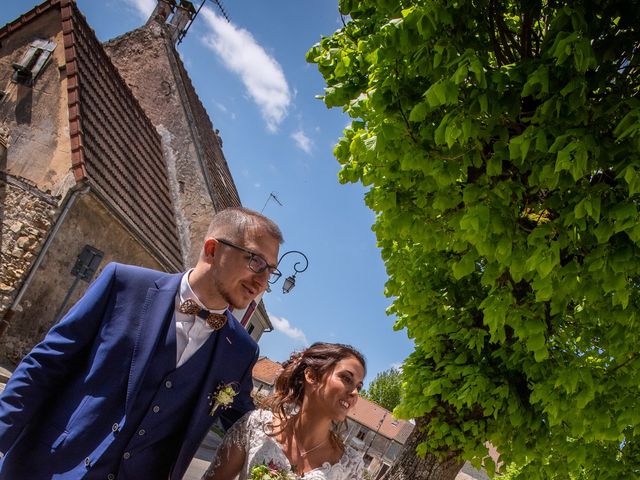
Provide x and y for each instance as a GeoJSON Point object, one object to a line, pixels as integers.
{"type": "Point", "coordinates": [128, 383]}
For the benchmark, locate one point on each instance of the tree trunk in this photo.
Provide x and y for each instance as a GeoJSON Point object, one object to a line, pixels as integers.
{"type": "Point", "coordinates": [409, 466]}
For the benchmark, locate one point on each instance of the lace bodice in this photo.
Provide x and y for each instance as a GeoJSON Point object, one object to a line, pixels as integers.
{"type": "Point", "coordinates": [249, 433]}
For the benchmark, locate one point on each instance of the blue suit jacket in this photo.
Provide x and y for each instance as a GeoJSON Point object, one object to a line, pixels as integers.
{"type": "Point", "coordinates": [58, 409]}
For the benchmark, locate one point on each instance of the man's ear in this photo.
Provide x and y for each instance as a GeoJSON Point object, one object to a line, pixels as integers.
{"type": "Point", "coordinates": [210, 246]}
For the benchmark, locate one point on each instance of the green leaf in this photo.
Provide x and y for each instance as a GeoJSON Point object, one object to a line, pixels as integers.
{"type": "Point", "coordinates": [418, 113]}
{"type": "Point", "coordinates": [464, 267]}
{"type": "Point", "coordinates": [436, 95]}
{"type": "Point", "coordinates": [499, 151]}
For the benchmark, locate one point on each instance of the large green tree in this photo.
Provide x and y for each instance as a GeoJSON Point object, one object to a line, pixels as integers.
{"type": "Point", "coordinates": [500, 142]}
{"type": "Point", "coordinates": [385, 389]}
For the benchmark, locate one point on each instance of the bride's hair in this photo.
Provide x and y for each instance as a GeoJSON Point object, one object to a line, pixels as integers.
{"type": "Point", "coordinates": [320, 358]}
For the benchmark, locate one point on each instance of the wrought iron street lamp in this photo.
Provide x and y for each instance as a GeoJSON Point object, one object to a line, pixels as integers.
{"type": "Point", "coordinates": [290, 281]}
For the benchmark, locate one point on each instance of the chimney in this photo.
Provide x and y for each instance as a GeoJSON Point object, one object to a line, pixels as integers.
{"type": "Point", "coordinates": [185, 13]}
{"type": "Point", "coordinates": [161, 13]}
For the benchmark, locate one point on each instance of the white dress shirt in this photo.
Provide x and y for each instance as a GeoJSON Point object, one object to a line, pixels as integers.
{"type": "Point", "coordinates": [191, 330]}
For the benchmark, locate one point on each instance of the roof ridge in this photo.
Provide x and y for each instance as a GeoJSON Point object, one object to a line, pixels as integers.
{"type": "Point", "coordinates": [28, 16]}
{"type": "Point", "coordinates": [125, 35]}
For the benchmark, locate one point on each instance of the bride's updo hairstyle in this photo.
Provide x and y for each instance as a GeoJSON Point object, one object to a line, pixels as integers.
{"type": "Point", "coordinates": [320, 358]}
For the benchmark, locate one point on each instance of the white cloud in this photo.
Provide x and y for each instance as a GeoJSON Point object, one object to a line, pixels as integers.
{"type": "Point", "coordinates": [220, 106]}
{"type": "Point", "coordinates": [283, 325]}
{"type": "Point", "coordinates": [224, 109]}
{"type": "Point", "coordinates": [143, 7]}
{"type": "Point", "coordinates": [302, 141]}
{"type": "Point", "coordinates": [260, 73]}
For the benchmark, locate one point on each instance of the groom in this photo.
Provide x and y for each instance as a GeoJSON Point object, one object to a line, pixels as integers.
{"type": "Point", "coordinates": [128, 383]}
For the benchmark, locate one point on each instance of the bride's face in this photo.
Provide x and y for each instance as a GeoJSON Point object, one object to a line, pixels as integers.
{"type": "Point", "coordinates": [338, 390]}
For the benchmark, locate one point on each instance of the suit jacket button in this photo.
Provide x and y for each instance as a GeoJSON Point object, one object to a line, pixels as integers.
{"type": "Point", "coordinates": [115, 427]}
{"type": "Point", "coordinates": [111, 476]}
{"type": "Point", "coordinates": [87, 462]}
{"type": "Point", "coordinates": [141, 432]}
{"type": "Point", "coordinates": [156, 408]}
{"type": "Point", "coordinates": [168, 384]}
{"type": "Point", "coordinates": [126, 455]}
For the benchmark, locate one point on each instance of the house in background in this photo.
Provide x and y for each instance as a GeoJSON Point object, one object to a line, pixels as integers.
{"type": "Point", "coordinates": [109, 155]}
{"type": "Point", "coordinates": [371, 429]}
{"type": "Point", "coordinates": [375, 432]}
{"type": "Point", "coordinates": [264, 374]}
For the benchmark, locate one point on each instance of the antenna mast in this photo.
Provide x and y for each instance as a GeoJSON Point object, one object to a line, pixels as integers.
{"type": "Point", "coordinates": [223, 12]}
{"type": "Point", "coordinates": [271, 195]}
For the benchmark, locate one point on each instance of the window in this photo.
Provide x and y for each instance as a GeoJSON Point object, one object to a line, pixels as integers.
{"type": "Point", "coordinates": [361, 434]}
{"type": "Point", "coordinates": [33, 61]}
{"type": "Point", "coordinates": [392, 451]}
{"type": "Point", "coordinates": [250, 328]}
{"type": "Point", "coordinates": [382, 471]}
{"type": "Point", "coordinates": [367, 459]}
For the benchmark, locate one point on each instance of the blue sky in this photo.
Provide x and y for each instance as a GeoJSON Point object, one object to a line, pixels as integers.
{"type": "Point", "coordinates": [260, 93]}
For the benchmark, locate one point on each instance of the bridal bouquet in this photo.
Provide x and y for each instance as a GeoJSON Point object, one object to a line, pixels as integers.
{"type": "Point", "coordinates": [271, 471]}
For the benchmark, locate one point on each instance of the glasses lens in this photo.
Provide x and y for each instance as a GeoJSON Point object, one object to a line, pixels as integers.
{"type": "Point", "coordinates": [274, 276]}
{"type": "Point", "coordinates": [257, 264]}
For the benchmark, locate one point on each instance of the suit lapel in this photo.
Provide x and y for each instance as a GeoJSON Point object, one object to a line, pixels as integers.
{"type": "Point", "coordinates": [158, 305]}
{"type": "Point", "coordinates": [201, 421]}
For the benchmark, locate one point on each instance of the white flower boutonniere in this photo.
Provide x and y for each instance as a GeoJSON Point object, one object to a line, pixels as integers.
{"type": "Point", "coordinates": [223, 397]}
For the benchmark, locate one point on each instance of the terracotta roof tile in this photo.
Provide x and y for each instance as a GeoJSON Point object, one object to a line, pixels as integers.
{"type": "Point", "coordinates": [27, 17]}
{"type": "Point", "coordinates": [225, 193]}
{"type": "Point", "coordinates": [114, 144]}
{"type": "Point", "coordinates": [266, 370]}
{"type": "Point", "coordinates": [378, 419]}
{"type": "Point", "coordinates": [365, 412]}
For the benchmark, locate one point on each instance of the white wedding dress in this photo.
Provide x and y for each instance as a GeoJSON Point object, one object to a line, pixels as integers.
{"type": "Point", "coordinates": [250, 434]}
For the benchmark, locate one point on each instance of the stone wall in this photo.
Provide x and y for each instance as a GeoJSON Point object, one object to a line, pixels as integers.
{"type": "Point", "coordinates": [84, 219]}
{"type": "Point", "coordinates": [27, 215]}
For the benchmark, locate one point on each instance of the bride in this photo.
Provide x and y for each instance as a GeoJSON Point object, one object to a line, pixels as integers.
{"type": "Point", "coordinates": [297, 436]}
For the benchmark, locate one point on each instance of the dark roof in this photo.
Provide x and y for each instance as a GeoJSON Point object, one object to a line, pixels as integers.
{"type": "Point", "coordinates": [27, 17]}
{"type": "Point", "coordinates": [224, 192]}
{"type": "Point", "coordinates": [118, 144]}
{"type": "Point", "coordinates": [114, 146]}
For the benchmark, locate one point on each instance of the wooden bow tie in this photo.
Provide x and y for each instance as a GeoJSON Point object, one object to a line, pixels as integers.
{"type": "Point", "coordinates": [215, 320]}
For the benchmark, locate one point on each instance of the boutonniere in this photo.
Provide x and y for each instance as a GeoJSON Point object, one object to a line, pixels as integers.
{"type": "Point", "coordinates": [223, 397]}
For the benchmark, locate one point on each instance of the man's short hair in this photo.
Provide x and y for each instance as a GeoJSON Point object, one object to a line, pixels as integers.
{"type": "Point", "coordinates": [236, 221]}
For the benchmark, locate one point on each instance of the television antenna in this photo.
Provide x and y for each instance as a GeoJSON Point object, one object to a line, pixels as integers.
{"type": "Point", "coordinates": [271, 195]}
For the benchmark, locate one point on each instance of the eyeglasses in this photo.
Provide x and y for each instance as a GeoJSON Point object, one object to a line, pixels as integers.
{"type": "Point", "coordinates": [257, 264]}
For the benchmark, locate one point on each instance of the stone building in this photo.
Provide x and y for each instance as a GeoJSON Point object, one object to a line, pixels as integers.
{"type": "Point", "coordinates": [106, 154]}
{"type": "Point", "coordinates": [264, 376]}
{"type": "Point", "coordinates": [371, 429]}
{"type": "Point", "coordinates": [376, 433]}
